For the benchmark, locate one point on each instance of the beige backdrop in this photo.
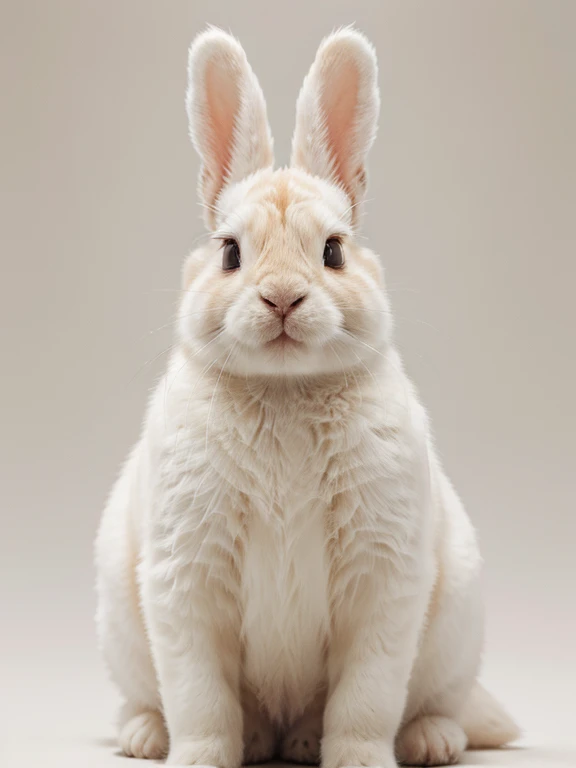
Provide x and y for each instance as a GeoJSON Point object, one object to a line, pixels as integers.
{"type": "Point", "coordinates": [472, 208]}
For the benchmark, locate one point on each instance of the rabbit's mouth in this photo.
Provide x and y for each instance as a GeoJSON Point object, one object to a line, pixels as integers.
{"type": "Point", "coordinates": [283, 340]}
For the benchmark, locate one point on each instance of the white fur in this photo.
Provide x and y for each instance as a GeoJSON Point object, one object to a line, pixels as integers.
{"type": "Point", "coordinates": [227, 115]}
{"type": "Point", "coordinates": [337, 112]}
{"type": "Point", "coordinates": [282, 561]}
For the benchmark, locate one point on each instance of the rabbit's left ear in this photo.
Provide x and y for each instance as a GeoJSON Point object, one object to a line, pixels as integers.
{"type": "Point", "coordinates": [337, 112]}
{"type": "Point", "coordinates": [227, 114]}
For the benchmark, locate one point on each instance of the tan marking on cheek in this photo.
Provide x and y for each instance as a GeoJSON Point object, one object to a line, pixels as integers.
{"type": "Point", "coordinates": [212, 302]}
{"type": "Point", "coordinates": [349, 295]}
{"type": "Point", "coordinates": [369, 263]}
{"type": "Point", "coordinates": [373, 270]}
{"type": "Point", "coordinates": [219, 298]}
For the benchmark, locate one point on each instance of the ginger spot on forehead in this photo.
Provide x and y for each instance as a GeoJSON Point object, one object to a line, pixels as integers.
{"type": "Point", "coordinates": [277, 196]}
{"type": "Point", "coordinates": [274, 202]}
{"type": "Point", "coordinates": [282, 191]}
{"type": "Point", "coordinates": [282, 199]}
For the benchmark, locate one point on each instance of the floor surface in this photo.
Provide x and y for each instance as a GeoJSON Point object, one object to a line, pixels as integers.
{"type": "Point", "coordinates": [62, 707]}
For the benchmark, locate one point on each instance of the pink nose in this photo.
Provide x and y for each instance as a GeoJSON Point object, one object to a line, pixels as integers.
{"type": "Point", "coordinates": [282, 303]}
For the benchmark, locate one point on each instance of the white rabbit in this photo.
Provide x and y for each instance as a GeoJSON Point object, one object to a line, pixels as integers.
{"type": "Point", "coordinates": [283, 567]}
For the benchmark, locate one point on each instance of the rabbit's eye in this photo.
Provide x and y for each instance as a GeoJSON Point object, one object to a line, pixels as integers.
{"type": "Point", "coordinates": [231, 255]}
{"type": "Point", "coordinates": [333, 254]}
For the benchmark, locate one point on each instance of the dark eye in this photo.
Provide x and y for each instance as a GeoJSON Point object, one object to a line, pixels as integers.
{"type": "Point", "coordinates": [333, 254]}
{"type": "Point", "coordinates": [231, 255]}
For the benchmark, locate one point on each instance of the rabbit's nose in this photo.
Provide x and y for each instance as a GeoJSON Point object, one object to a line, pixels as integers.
{"type": "Point", "coordinates": [282, 303]}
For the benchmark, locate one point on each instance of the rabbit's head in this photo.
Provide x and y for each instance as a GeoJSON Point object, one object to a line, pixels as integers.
{"type": "Point", "coordinates": [283, 287]}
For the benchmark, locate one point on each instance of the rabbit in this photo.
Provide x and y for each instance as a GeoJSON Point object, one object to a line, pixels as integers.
{"type": "Point", "coordinates": [284, 569]}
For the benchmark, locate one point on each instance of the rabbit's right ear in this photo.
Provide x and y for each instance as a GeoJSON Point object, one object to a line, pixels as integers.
{"type": "Point", "coordinates": [227, 114]}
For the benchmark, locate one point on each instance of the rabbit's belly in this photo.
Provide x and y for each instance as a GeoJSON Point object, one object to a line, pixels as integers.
{"type": "Point", "coordinates": [285, 611]}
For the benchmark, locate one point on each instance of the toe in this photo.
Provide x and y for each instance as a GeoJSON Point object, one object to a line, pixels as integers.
{"type": "Point", "coordinates": [144, 736]}
{"type": "Point", "coordinates": [429, 741]}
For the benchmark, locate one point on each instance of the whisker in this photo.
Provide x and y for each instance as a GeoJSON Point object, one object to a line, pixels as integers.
{"type": "Point", "coordinates": [355, 205]}
{"type": "Point", "coordinates": [341, 363]}
{"type": "Point", "coordinates": [176, 290]}
{"type": "Point", "coordinates": [210, 207]}
{"type": "Point", "coordinates": [361, 309]}
{"type": "Point", "coordinates": [203, 236]}
{"type": "Point", "coordinates": [384, 357]}
{"type": "Point", "coordinates": [149, 362]}
{"type": "Point", "coordinates": [203, 372]}
{"type": "Point", "coordinates": [198, 351]}
{"type": "Point", "coordinates": [214, 393]}
{"type": "Point", "coordinates": [178, 317]}
{"type": "Point", "coordinates": [416, 320]}
{"type": "Point", "coordinates": [167, 389]}
{"type": "Point", "coordinates": [370, 373]}
{"type": "Point", "coordinates": [386, 311]}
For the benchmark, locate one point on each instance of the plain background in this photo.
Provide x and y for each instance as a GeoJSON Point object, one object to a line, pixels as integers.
{"type": "Point", "coordinates": [472, 205]}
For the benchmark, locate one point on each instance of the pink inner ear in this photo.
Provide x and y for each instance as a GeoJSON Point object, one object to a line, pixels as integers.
{"type": "Point", "coordinates": [222, 106]}
{"type": "Point", "coordinates": [340, 106]}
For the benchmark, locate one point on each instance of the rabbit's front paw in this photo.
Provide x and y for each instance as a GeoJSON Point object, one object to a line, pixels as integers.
{"type": "Point", "coordinates": [430, 741]}
{"type": "Point", "coordinates": [144, 736]}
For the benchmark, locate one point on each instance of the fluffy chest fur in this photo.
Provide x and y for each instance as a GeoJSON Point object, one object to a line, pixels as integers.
{"type": "Point", "coordinates": [290, 496]}
{"type": "Point", "coordinates": [285, 612]}
{"type": "Point", "coordinates": [283, 454]}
